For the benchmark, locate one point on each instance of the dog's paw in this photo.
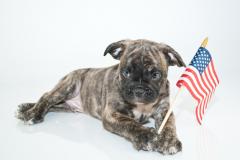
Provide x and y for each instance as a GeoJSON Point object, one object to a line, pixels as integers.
{"type": "Point", "coordinates": [22, 108]}
{"type": "Point", "coordinates": [144, 140]}
{"type": "Point", "coordinates": [34, 121]}
{"type": "Point", "coordinates": [168, 146]}
{"type": "Point", "coordinates": [27, 114]}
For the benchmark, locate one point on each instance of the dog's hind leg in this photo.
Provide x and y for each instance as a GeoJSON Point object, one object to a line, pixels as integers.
{"type": "Point", "coordinates": [65, 90]}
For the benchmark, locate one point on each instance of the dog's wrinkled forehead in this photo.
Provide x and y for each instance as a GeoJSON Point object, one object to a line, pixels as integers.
{"type": "Point", "coordinates": [145, 52]}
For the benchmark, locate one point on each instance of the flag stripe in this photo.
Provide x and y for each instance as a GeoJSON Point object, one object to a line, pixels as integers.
{"type": "Point", "coordinates": [207, 89]}
{"type": "Point", "coordinates": [198, 79]}
{"type": "Point", "coordinates": [210, 74]}
{"type": "Point", "coordinates": [184, 83]}
{"type": "Point", "coordinates": [206, 79]}
{"type": "Point", "coordinates": [214, 72]}
{"type": "Point", "coordinates": [209, 80]}
{"type": "Point", "coordinates": [196, 113]}
{"type": "Point", "coordinates": [213, 75]}
{"type": "Point", "coordinates": [194, 88]}
{"type": "Point", "coordinates": [195, 79]}
{"type": "Point", "coordinates": [197, 94]}
{"type": "Point", "coordinates": [205, 82]}
{"type": "Point", "coordinates": [198, 110]}
{"type": "Point", "coordinates": [193, 83]}
{"type": "Point", "coordinates": [202, 85]}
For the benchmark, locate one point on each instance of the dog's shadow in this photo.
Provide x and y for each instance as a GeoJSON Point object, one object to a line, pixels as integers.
{"type": "Point", "coordinates": [83, 129]}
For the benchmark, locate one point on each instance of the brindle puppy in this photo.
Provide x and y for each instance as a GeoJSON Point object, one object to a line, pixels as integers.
{"type": "Point", "coordinates": [123, 96]}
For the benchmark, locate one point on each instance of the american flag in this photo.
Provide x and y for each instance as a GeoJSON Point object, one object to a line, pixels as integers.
{"type": "Point", "coordinates": [201, 80]}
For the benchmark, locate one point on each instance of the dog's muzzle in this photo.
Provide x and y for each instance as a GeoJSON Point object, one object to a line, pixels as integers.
{"type": "Point", "coordinates": [140, 91]}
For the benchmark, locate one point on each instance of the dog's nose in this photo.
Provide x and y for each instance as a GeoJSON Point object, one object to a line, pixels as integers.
{"type": "Point", "coordinates": [139, 91]}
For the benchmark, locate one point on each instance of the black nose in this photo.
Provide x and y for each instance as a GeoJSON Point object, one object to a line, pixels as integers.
{"type": "Point", "coordinates": [139, 91]}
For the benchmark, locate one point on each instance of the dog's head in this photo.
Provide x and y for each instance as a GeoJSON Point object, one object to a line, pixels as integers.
{"type": "Point", "coordinates": [143, 68]}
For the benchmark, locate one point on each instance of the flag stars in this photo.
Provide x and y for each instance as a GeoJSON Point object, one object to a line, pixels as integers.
{"type": "Point", "coordinates": [201, 59]}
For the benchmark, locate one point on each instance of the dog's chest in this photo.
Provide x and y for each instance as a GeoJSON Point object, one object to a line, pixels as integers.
{"type": "Point", "coordinates": [142, 112]}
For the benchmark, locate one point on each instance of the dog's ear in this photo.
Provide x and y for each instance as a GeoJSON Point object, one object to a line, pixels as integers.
{"type": "Point", "coordinates": [116, 49]}
{"type": "Point", "coordinates": [173, 58]}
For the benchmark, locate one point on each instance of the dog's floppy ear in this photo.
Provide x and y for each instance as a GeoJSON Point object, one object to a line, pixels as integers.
{"type": "Point", "coordinates": [173, 58]}
{"type": "Point", "coordinates": [116, 49]}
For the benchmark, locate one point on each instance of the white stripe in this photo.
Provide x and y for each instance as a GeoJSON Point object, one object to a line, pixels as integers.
{"type": "Point", "coordinates": [204, 100]}
{"type": "Point", "coordinates": [206, 74]}
{"type": "Point", "coordinates": [194, 91]}
{"type": "Point", "coordinates": [199, 111]}
{"type": "Point", "coordinates": [209, 92]}
{"type": "Point", "coordinates": [210, 80]}
{"type": "Point", "coordinates": [207, 96]}
{"type": "Point", "coordinates": [199, 77]}
{"type": "Point", "coordinates": [205, 103]}
{"type": "Point", "coordinates": [195, 82]}
{"type": "Point", "coordinates": [190, 85]}
{"type": "Point", "coordinates": [213, 75]}
{"type": "Point", "coordinates": [206, 81]}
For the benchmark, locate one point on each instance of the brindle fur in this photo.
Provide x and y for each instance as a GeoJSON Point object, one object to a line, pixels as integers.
{"type": "Point", "coordinates": [101, 92]}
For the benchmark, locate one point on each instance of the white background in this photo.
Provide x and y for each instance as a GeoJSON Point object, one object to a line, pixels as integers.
{"type": "Point", "coordinates": [41, 41]}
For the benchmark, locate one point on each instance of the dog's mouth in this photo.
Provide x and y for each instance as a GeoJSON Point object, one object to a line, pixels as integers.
{"type": "Point", "coordinates": [139, 94]}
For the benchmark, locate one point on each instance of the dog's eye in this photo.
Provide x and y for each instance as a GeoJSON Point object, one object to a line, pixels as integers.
{"type": "Point", "coordinates": [126, 73]}
{"type": "Point", "coordinates": [156, 75]}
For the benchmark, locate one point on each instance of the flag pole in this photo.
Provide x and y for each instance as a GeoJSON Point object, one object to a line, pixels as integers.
{"type": "Point", "coordinates": [204, 44]}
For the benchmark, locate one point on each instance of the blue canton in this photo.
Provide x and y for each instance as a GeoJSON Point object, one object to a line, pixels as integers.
{"type": "Point", "coordinates": [201, 60]}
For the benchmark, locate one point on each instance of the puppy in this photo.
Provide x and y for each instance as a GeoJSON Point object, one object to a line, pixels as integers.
{"type": "Point", "coordinates": [123, 96]}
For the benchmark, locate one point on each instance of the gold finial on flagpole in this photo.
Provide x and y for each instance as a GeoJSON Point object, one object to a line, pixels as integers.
{"type": "Point", "coordinates": [204, 43]}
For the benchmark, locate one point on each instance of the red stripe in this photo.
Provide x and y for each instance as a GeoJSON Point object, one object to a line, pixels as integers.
{"type": "Point", "coordinates": [182, 82]}
{"type": "Point", "coordinates": [214, 72]}
{"type": "Point", "coordinates": [205, 84]}
{"type": "Point", "coordinates": [196, 113]}
{"type": "Point", "coordinates": [197, 79]}
{"type": "Point", "coordinates": [204, 105]}
{"type": "Point", "coordinates": [210, 83]}
{"type": "Point", "coordinates": [197, 110]}
{"type": "Point", "coordinates": [200, 85]}
{"type": "Point", "coordinates": [195, 88]}
{"type": "Point", "coordinates": [210, 92]}
{"type": "Point", "coordinates": [193, 84]}
{"type": "Point", "coordinates": [210, 74]}
{"type": "Point", "coordinates": [213, 76]}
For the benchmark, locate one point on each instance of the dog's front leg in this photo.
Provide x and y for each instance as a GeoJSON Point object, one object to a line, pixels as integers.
{"type": "Point", "coordinates": [168, 142]}
{"type": "Point", "coordinates": [141, 137]}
